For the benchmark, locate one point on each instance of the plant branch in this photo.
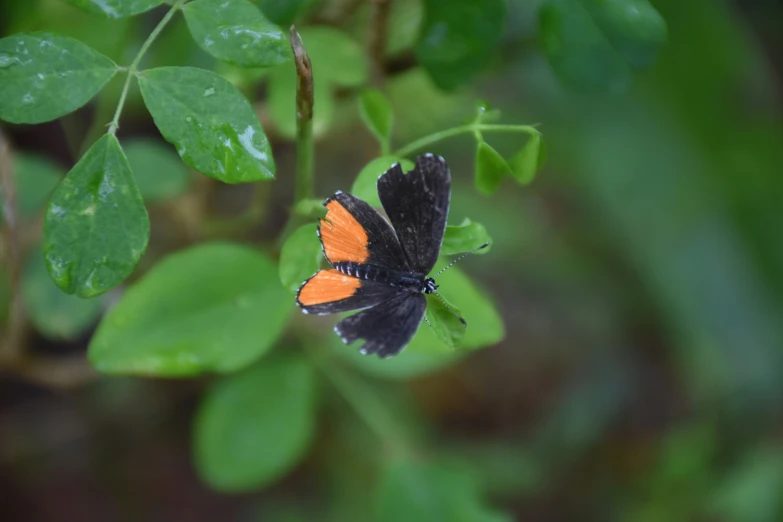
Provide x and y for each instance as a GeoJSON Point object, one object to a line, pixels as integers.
{"type": "Point", "coordinates": [462, 129]}
{"type": "Point", "coordinates": [134, 66]}
{"type": "Point", "coordinates": [377, 37]}
{"type": "Point", "coordinates": [304, 119]}
{"type": "Point", "coordinates": [366, 405]}
{"type": "Point", "coordinates": [14, 335]}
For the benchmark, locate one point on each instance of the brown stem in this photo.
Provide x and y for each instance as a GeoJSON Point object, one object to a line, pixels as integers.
{"type": "Point", "coordinates": [15, 331]}
{"type": "Point", "coordinates": [377, 37]}
{"type": "Point", "coordinates": [304, 119]}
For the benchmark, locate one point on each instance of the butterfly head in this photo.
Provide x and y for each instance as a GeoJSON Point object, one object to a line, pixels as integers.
{"type": "Point", "coordinates": [429, 286]}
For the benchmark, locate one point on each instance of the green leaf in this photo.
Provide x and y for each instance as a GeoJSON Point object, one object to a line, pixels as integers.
{"type": "Point", "coordinates": [366, 185]}
{"type": "Point", "coordinates": [213, 126]}
{"type": "Point", "coordinates": [214, 307]}
{"type": "Point", "coordinates": [253, 427]}
{"type": "Point", "coordinates": [527, 160]}
{"type": "Point", "coordinates": [44, 76]}
{"type": "Point", "coordinates": [115, 8]}
{"type": "Point", "coordinates": [54, 314]}
{"type": "Point", "coordinates": [235, 31]}
{"type": "Point", "coordinates": [596, 45]}
{"type": "Point", "coordinates": [337, 60]}
{"type": "Point", "coordinates": [159, 173]}
{"type": "Point", "coordinates": [311, 208]}
{"type": "Point", "coordinates": [282, 12]}
{"type": "Point", "coordinates": [491, 168]}
{"type": "Point", "coordinates": [446, 326]}
{"type": "Point", "coordinates": [376, 112]}
{"type": "Point", "coordinates": [429, 492]}
{"type": "Point", "coordinates": [36, 178]}
{"type": "Point", "coordinates": [408, 364]}
{"type": "Point", "coordinates": [96, 227]}
{"type": "Point", "coordinates": [300, 257]}
{"type": "Point", "coordinates": [458, 38]}
{"type": "Point", "coordinates": [464, 238]}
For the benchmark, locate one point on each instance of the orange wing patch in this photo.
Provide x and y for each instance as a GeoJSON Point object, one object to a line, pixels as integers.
{"type": "Point", "coordinates": [327, 286]}
{"type": "Point", "coordinates": [344, 239]}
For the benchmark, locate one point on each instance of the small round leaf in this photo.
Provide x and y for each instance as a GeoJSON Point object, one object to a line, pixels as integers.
{"type": "Point", "coordinates": [376, 112]}
{"type": "Point", "coordinates": [464, 238]}
{"type": "Point", "coordinates": [255, 426]}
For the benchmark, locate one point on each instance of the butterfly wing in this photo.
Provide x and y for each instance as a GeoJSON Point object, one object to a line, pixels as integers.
{"type": "Point", "coordinates": [417, 204]}
{"type": "Point", "coordinates": [354, 231]}
{"type": "Point", "coordinates": [387, 327]}
{"type": "Point", "coordinates": [332, 292]}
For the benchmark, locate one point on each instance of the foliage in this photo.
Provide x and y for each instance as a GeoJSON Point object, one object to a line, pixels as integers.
{"type": "Point", "coordinates": [171, 248]}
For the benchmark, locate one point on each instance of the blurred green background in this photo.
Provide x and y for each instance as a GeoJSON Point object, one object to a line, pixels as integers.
{"type": "Point", "coordinates": [639, 277]}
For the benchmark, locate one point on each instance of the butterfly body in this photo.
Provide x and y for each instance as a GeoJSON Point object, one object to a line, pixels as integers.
{"type": "Point", "coordinates": [379, 267]}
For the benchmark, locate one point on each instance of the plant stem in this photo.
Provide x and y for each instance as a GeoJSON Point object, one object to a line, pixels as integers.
{"type": "Point", "coordinates": [304, 119]}
{"type": "Point", "coordinates": [376, 40]}
{"type": "Point", "coordinates": [462, 129]}
{"type": "Point", "coordinates": [133, 68]}
{"type": "Point", "coordinates": [366, 405]}
{"type": "Point", "coordinates": [12, 342]}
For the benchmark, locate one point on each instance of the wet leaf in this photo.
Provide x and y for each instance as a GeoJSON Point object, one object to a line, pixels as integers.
{"type": "Point", "coordinates": [376, 112]}
{"type": "Point", "coordinates": [44, 76]}
{"type": "Point", "coordinates": [464, 238]}
{"type": "Point", "coordinates": [235, 31]}
{"type": "Point", "coordinates": [96, 227]}
{"type": "Point", "coordinates": [366, 185]}
{"type": "Point", "coordinates": [458, 38]}
{"type": "Point", "coordinates": [214, 307]}
{"type": "Point", "coordinates": [253, 427]}
{"type": "Point", "coordinates": [54, 314]}
{"type": "Point", "coordinates": [491, 168]}
{"type": "Point", "coordinates": [300, 257]}
{"type": "Point", "coordinates": [595, 45]}
{"type": "Point", "coordinates": [159, 173]}
{"type": "Point", "coordinates": [213, 126]}
{"type": "Point", "coordinates": [115, 8]}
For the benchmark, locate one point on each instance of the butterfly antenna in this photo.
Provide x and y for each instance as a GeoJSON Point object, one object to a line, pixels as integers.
{"type": "Point", "coordinates": [463, 256]}
{"type": "Point", "coordinates": [450, 309]}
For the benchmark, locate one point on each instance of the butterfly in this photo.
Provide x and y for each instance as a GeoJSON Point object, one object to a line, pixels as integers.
{"type": "Point", "coordinates": [378, 267]}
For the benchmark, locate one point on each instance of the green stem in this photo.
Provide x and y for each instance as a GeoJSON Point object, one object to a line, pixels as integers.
{"type": "Point", "coordinates": [462, 129]}
{"type": "Point", "coordinates": [304, 162]}
{"type": "Point", "coordinates": [133, 68]}
{"type": "Point", "coordinates": [366, 405]}
{"type": "Point", "coordinates": [304, 119]}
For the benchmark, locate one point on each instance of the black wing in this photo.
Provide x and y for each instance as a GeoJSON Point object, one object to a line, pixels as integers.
{"type": "Point", "coordinates": [387, 327]}
{"type": "Point", "coordinates": [354, 231]}
{"type": "Point", "coordinates": [418, 205]}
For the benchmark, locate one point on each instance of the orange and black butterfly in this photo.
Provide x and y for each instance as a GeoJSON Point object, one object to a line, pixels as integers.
{"type": "Point", "coordinates": [380, 268]}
